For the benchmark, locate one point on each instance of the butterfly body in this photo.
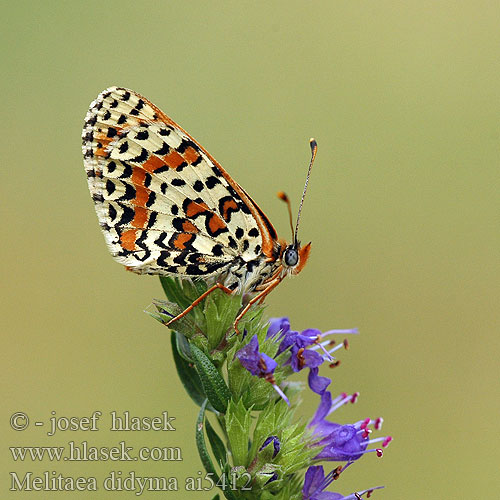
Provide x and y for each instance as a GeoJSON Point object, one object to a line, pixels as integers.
{"type": "Point", "coordinates": [167, 207]}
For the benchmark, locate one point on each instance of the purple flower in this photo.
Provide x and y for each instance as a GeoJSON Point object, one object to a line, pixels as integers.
{"type": "Point", "coordinates": [304, 347]}
{"type": "Point", "coordinates": [259, 364]}
{"type": "Point", "coordinates": [301, 357]}
{"type": "Point", "coordinates": [277, 325]}
{"type": "Point", "coordinates": [317, 383]}
{"type": "Point", "coordinates": [345, 442]}
{"type": "Point", "coordinates": [276, 444]}
{"type": "Point", "coordinates": [316, 482]}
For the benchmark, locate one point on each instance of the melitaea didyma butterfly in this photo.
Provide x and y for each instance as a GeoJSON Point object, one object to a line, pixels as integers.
{"type": "Point", "coordinates": [167, 207]}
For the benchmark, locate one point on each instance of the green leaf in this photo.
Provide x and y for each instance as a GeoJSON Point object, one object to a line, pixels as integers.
{"type": "Point", "coordinates": [201, 287]}
{"type": "Point", "coordinates": [181, 294]}
{"type": "Point", "coordinates": [200, 441]}
{"type": "Point", "coordinates": [183, 348]}
{"type": "Point", "coordinates": [203, 452]}
{"type": "Point", "coordinates": [216, 497]}
{"type": "Point", "coordinates": [187, 373]}
{"type": "Point", "coordinates": [238, 422]}
{"type": "Point", "coordinates": [214, 332]}
{"type": "Point", "coordinates": [217, 445]}
{"type": "Point", "coordinates": [213, 384]}
{"type": "Point", "coordinates": [174, 292]}
{"type": "Point", "coordinates": [168, 310]}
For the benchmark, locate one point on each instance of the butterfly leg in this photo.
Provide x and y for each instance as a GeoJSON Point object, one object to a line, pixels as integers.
{"type": "Point", "coordinates": [198, 300]}
{"type": "Point", "coordinates": [261, 296]}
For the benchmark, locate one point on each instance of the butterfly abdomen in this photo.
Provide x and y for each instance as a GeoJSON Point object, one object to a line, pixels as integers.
{"type": "Point", "coordinates": [249, 276]}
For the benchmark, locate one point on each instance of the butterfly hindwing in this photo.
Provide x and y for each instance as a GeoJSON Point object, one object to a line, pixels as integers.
{"type": "Point", "coordinates": [164, 204]}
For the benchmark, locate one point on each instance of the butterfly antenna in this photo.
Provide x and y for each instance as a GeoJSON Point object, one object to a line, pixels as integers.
{"type": "Point", "coordinates": [284, 197]}
{"type": "Point", "coordinates": [314, 148]}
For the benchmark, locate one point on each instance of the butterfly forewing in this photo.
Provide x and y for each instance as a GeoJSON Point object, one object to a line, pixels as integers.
{"type": "Point", "coordinates": [164, 204]}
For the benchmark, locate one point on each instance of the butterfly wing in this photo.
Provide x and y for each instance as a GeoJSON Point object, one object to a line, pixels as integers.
{"type": "Point", "coordinates": [164, 204]}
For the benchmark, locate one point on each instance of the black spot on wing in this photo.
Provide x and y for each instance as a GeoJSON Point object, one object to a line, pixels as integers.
{"type": "Point", "coordinates": [182, 166]}
{"type": "Point", "coordinates": [89, 136]}
{"type": "Point", "coordinates": [211, 182]}
{"type": "Point", "coordinates": [110, 187]}
{"type": "Point", "coordinates": [214, 266]}
{"type": "Point", "coordinates": [165, 131]}
{"type": "Point", "coordinates": [186, 143]}
{"type": "Point", "coordinates": [193, 270]}
{"type": "Point", "coordinates": [160, 241]}
{"type": "Point", "coordinates": [129, 192]}
{"type": "Point", "coordinates": [151, 199]}
{"type": "Point", "coordinates": [163, 168]}
{"type": "Point", "coordinates": [162, 259]}
{"type": "Point", "coordinates": [142, 135]}
{"type": "Point", "coordinates": [180, 259]}
{"type": "Point", "coordinates": [142, 157]}
{"type": "Point", "coordinates": [127, 215]}
{"type": "Point", "coordinates": [198, 186]}
{"type": "Point", "coordinates": [232, 242]}
{"type": "Point", "coordinates": [142, 255]}
{"type": "Point", "coordinates": [194, 258]}
{"type": "Point", "coordinates": [127, 171]}
{"type": "Point", "coordinates": [164, 150]}
{"type": "Point", "coordinates": [152, 219]}
{"type": "Point", "coordinates": [112, 212]}
{"type": "Point", "coordinates": [217, 250]}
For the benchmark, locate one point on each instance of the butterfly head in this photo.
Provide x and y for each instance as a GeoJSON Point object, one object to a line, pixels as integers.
{"type": "Point", "coordinates": [294, 257]}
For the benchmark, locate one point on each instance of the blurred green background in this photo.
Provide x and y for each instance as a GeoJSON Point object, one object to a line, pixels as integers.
{"type": "Point", "coordinates": [403, 98]}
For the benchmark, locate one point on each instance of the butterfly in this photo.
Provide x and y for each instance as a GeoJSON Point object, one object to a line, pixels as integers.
{"type": "Point", "coordinates": [167, 207]}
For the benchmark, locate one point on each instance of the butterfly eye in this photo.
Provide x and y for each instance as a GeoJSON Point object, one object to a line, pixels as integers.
{"type": "Point", "coordinates": [291, 257]}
